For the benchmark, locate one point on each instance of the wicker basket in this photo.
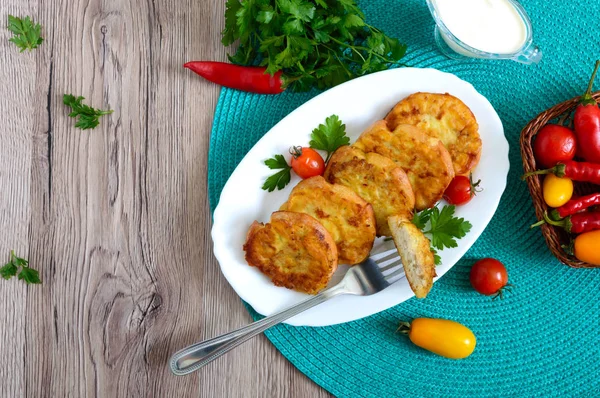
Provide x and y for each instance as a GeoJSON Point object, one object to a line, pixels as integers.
{"type": "Point", "coordinates": [555, 236]}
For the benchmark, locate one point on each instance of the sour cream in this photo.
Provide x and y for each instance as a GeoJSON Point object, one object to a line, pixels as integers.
{"type": "Point", "coordinates": [493, 26]}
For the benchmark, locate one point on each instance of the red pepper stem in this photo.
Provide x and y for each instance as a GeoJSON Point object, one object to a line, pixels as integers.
{"type": "Point", "coordinates": [586, 99]}
{"type": "Point", "coordinates": [558, 170]}
{"type": "Point", "coordinates": [537, 172]}
{"type": "Point", "coordinates": [564, 223]}
{"type": "Point", "coordinates": [555, 215]}
{"type": "Point", "coordinates": [537, 224]}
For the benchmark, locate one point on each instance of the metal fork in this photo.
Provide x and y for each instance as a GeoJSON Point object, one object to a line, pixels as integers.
{"type": "Point", "coordinates": [369, 277]}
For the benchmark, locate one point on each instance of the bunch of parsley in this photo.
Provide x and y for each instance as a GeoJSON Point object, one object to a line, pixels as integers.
{"type": "Point", "coordinates": [318, 43]}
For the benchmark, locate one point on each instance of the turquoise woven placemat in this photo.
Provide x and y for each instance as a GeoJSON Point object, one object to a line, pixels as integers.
{"type": "Point", "coordinates": [542, 340]}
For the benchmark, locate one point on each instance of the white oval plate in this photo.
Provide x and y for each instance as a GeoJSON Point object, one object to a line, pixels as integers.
{"type": "Point", "coordinates": [358, 103]}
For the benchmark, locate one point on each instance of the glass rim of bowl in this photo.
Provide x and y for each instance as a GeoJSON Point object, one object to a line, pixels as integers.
{"type": "Point", "coordinates": [485, 54]}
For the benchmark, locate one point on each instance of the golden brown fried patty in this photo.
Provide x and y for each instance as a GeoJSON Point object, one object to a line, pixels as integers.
{"type": "Point", "coordinates": [376, 179]}
{"type": "Point", "coordinates": [348, 218]}
{"type": "Point", "coordinates": [415, 251]}
{"type": "Point", "coordinates": [425, 160]}
{"type": "Point", "coordinates": [294, 250]}
{"type": "Point", "coordinates": [445, 117]}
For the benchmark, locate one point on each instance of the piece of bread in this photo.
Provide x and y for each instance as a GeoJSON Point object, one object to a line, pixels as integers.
{"type": "Point", "coordinates": [445, 117]}
{"type": "Point", "coordinates": [425, 160]}
{"type": "Point", "coordinates": [294, 250]}
{"type": "Point", "coordinates": [376, 179]}
{"type": "Point", "coordinates": [415, 251]}
{"type": "Point", "coordinates": [348, 218]}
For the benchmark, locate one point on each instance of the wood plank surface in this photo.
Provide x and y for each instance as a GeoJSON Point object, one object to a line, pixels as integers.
{"type": "Point", "coordinates": [116, 219]}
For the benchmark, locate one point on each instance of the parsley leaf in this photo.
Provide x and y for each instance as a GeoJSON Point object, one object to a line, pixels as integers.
{"type": "Point", "coordinates": [421, 218]}
{"type": "Point", "coordinates": [27, 274]}
{"type": "Point", "coordinates": [27, 35]}
{"type": "Point", "coordinates": [436, 257]}
{"type": "Point", "coordinates": [88, 116]}
{"type": "Point", "coordinates": [329, 136]}
{"type": "Point", "coordinates": [445, 228]}
{"type": "Point", "coordinates": [231, 30]}
{"type": "Point", "coordinates": [280, 179]}
{"type": "Point", "coordinates": [8, 270]}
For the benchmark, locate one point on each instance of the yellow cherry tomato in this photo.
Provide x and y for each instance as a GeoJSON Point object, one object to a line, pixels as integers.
{"type": "Point", "coordinates": [557, 191]}
{"type": "Point", "coordinates": [587, 247]}
{"type": "Point", "coordinates": [441, 336]}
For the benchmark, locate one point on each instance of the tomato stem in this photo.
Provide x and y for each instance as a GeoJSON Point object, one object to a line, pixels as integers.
{"type": "Point", "coordinates": [296, 151]}
{"type": "Point", "coordinates": [500, 293]}
{"type": "Point", "coordinates": [564, 118]}
{"type": "Point", "coordinates": [474, 186]}
{"type": "Point", "coordinates": [570, 248]}
{"type": "Point", "coordinates": [404, 327]}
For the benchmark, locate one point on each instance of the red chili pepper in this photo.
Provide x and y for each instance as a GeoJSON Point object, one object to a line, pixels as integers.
{"type": "Point", "coordinates": [577, 223]}
{"type": "Point", "coordinates": [575, 205]}
{"type": "Point", "coordinates": [587, 124]}
{"type": "Point", "coordinates": [246, 78]}
{"type": "Point", "coordinates": [577, 171]}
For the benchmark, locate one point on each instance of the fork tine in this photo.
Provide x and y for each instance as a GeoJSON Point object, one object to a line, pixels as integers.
{"type": "Point", "coordinates": [385, 255]}
{"type": "Point", "coordinates": [397, 273]}
{"type": "Point", "coordinates": [390, 265]}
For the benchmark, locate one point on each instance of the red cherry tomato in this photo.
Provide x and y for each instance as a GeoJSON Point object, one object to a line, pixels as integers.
{"type": "Point", "coordinates": [553, 144]}
{"type": "Point", "coordinates": [306, 162]}
{"type": "Point", "coordinates": [461, 190]}
{"type": "Point", "coordinates": [488, 276]}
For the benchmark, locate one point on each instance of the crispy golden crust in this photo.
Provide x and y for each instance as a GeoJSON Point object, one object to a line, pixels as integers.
{"type": "Point", "coordinates": [348, 218]}
{"type": "Point", "coordinates": [376, 179]}
{"type": "Point", "coordinates": [425, 160]}
{"type": "Point", "coordinates": [294, 250]}
{"type": "Point", "coordinates": [415, 252]}
{"type": "Point", "coordinates": [445, 117]}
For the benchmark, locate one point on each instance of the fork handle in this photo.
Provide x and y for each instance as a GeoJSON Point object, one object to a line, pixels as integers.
{"type": "Point", "coordinates": [197, 355]}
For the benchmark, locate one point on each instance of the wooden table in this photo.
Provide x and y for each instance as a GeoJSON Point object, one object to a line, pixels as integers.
{"type": "Point", "coordinates": [116, 219]}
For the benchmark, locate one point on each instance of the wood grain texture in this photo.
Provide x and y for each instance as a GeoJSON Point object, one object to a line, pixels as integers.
{"type": "Point", "coordinates": [116, 219]}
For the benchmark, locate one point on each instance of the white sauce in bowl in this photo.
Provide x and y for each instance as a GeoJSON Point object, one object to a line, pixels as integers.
{"type": "Point", "coordinates": [493, 26]}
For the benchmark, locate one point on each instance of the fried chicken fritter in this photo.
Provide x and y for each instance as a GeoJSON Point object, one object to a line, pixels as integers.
{"type": "Point", "coordinates": [348, 218]}
{"type": "Point", "coordinates": [294, 250]}
{"type": "Point", "coordinates": [376, 179]}
{"type": "Point", "coordinates": [415, 251]}
{"type": "Point", "coordinates": [445, 117]}
{"type": "Point", "coordinates": [425, 160]}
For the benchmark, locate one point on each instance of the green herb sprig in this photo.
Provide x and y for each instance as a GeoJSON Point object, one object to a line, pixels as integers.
{"type": "Point", "coordinates": [19, 267]}
{"type": "Point", "coordinates": [280, 179]}
{"type": "Point", "coordinates": [88, 116]}
{"type": "Point", "coordinates": [27, 35]}
{"type": "Point", "coordinates": [444, 227]}
{"type": "Point", "coordinates": [317, 44]}
{"type": "Point", "coordinates": [329, 136]}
